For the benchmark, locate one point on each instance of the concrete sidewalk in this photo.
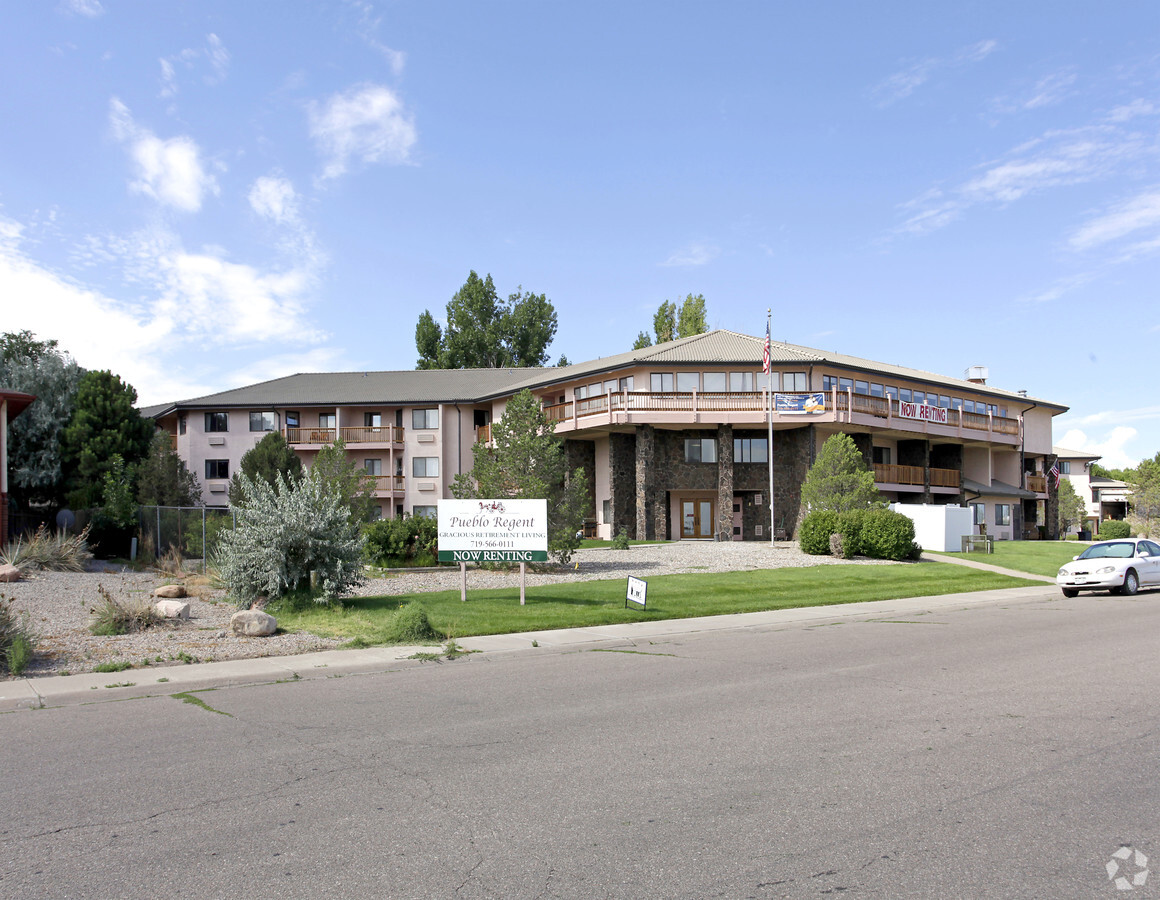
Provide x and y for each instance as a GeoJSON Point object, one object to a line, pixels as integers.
{"type": "Point", "coordinates": [72, 690]}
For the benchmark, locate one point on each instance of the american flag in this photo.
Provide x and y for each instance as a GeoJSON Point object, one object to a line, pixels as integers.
{"type": "Point", "coordinates": [1054, 473]}
{"type": "Point", "coordinates": [765, 351]}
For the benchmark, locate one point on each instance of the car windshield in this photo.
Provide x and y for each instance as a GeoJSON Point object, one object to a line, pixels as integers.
{"type": "Point", "coordinates": [1120, 550]}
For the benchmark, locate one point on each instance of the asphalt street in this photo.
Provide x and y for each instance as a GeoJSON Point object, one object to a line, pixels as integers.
{"type": "Point", "coordinates": [996, 749]}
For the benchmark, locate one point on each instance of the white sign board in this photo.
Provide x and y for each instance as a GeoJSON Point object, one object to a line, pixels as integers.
{"type": "Point", "coordinates": [921, 411]}
{"type": "Point", "coordinates": [493, 530]}
{"type": "Point", "coordinates": [637, 591]}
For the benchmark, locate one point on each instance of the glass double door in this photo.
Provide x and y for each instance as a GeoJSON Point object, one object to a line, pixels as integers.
{"type": "Point", "coordinates": [697, 519]}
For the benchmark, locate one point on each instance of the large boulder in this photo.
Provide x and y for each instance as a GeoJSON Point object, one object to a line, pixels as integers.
{"type": "Point", "coordinates": [9, 573]}
{"type": "Point", "coordinates": [170, 591]}
{"type": "Point", "coordinates": [253, 623]}
{"type": "Point", "coordinates": [172, 609]}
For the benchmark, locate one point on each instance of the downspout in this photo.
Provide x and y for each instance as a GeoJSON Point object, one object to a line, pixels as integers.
{"type": "Point", "coordinates": [458, 440]}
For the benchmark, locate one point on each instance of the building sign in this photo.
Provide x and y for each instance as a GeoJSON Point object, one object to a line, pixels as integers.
{"type": "Point", "coordinates": [799, 404]}
{"type": "Point", "coordinates": [493, 530]}
{"type": "Point", "coordinates": [937, 414]}
{"type": "Point", "coordinates": [637, 592]}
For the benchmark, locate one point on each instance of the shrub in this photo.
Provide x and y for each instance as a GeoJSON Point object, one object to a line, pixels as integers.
{"type": "Point", "coordinates": [16, 640]}
{"type": "Point", "coordinates": [410, 625]}
{"type": "Point", "coordinates": [620, 542]}
{"type": "Point", "coordinates": [216, 523]}
{"type": "Point", "coordinates": [57, 551]}
{"type": "Point", "coordinates": [814, 533]}
{"type": "Point", "coordinates": [1114, 531]}
{"type": "Point", "coordinates": [112, 615]}
{"type": "Point", "coordinates": [887, 535]}
{"type": "Point", "coordinates": [411, 539]}
{"type": "Point", "coordinates": [285, 533]}
{"type": "Point", "coordinates": [850, 525]}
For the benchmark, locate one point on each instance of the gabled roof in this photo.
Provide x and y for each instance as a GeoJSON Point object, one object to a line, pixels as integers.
{"type": "Point", "coordinates": [997, 489]}
{"type": "Point", "coordinates": [1064, 453]}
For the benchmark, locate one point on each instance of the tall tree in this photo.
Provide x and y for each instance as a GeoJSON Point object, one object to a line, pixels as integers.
{"type": "Point", "coordinates": [527, 462]}
{"type": "Point", "coordinates": [270, 458]}
{"type": "Point", "coordinates": [482, 331]}
{"type": "Point", "coordinates": [1069, 506]}
{"type": "Point", "coordinates": [692, 319]}
{"type": "Point", "coordinates": [163, 479]}
{"type": "Point", "coordinates": [665, 322]}
{"type": "Point", "coordinates": [1145, 497]}
{"type": "Point", "coordinates": [839, 479]}
{"type": "Point", "coordinates": [642, 341]}
{"type": "Point", "coordinates": [104, 423]}
{"type": "Point", "coordinates": [35, 470]}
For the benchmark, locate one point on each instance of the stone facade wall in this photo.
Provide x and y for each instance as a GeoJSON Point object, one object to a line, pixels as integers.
{"type": "Point", "coordinates": [725, 483]}
{"type": "Point", "coordinates": [646, 457]}
{"type": "Point", "coordinates": [622, 482]}
{"type": "Point", "coordinates": [582, 455]}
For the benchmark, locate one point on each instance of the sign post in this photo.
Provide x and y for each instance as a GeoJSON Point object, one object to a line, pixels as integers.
{"type": "Point", "coordinates": [493, 531]}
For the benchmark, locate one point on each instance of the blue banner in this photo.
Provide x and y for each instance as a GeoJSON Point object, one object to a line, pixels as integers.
{"type": "Point", "coordinates": [799, 404]}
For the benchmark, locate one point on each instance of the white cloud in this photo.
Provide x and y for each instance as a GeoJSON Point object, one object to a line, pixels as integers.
{"type": "Point", "coordinates": [188, 301]}
{"type": "Point", "coordinates": [366, 123]}
{"type": "Point", "coordinates": [214, 52]}
{"type": "Point", "coordinates": [274, 198]}
{"type": "Point", "coordinates": [368, 28]}
{"type": "Point", "coordinates": [1110, 448]}
{"type": "Point", "coordinates": [88, 8]}
{"type": "Point", "coordinates": [1128, 111]}
{"type": "Point", "coordinates": [1140, 212]}
{"type": "Point", "coordinates": [1050, 90]}
{"type": "Point", "coordinates": [169, 171]}
{"type": "Point", "coordinates": [906, 81]}
{"type": "Point", "coordinates": [1060, 288]}
{"type": "Point", "coordinates": [693, 255]}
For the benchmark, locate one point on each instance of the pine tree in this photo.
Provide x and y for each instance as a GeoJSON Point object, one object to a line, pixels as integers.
{"type": "Point", "coordinates": [839, 479]}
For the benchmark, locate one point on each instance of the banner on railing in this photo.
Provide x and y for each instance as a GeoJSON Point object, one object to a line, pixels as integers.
{"type": "Point", "coordinates": [799, 404]}
{"type": "Point", "coordinates": [924, 413]}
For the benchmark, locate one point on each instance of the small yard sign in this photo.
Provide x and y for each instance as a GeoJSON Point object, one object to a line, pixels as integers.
{"type": "Point", "coordinates": [637, 591]}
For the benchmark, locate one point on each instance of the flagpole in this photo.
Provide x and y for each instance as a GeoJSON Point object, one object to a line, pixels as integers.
{"type": "Point", "coordinates": [768, 366]}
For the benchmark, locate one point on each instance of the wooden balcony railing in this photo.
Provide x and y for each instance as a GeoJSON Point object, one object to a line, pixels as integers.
{"type": "Point", "coordinates": [387, 484]}
{"type": "Point", "coordinates": [888, 474]}
{"type": "Point", "coordinates": [483, 434]}
{"type": "Point", "coordinates": [1037, 483]}
{"type": "Point", "coordinates": [386, 434]}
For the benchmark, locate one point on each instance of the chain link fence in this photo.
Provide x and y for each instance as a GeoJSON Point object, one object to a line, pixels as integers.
{"type": "Point", "coordinates": [193, 531]}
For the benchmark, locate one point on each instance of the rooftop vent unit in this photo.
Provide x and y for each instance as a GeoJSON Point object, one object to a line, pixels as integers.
{"type": "Point", "coordinates": [977, 374]}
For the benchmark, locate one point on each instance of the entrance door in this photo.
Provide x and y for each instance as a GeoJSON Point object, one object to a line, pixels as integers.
{"type": "Point", "coordinates": [696, 519]}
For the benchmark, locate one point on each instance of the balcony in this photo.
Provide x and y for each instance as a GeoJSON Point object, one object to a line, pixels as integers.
{"type": "Point", "coordinates": [694, 407]}
{"type": "Point", "coordinates": [1037, 483]}
{"type": "Point", "coordinates": [915, 476]}
{"type": "Point", "coordinates": [385, 434]}
{"type": "Point", "coordinates": [483, 434]}
{"type": "Point", "coordinates": [387, 485]}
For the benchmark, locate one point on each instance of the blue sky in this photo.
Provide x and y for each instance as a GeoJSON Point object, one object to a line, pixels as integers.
{"type": "Point", "coordinates": [200, 195]}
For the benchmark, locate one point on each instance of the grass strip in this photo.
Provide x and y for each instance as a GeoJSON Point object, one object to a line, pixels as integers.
{"type": "Point", "coordinates": [586, 603]}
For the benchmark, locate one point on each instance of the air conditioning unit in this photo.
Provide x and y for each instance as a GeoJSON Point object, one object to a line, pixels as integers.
{"type": "Point", "coordinates": [978, 374]}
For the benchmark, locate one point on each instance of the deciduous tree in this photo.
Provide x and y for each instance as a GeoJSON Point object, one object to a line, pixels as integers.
{"type": "Point", "coordinates": [1069, 506]}
{"type": "Point", "coordinates": [527, 462]}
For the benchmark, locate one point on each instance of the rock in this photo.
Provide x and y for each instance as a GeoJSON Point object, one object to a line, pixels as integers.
{"type": "Point", "coordinates": [253, 623]}
{"type": "Point", "coordinates": [9, 573]}
{"type": "Point", "coordinates": [171, 591]}
{"type": "Point", "coordinates": [172, 609]}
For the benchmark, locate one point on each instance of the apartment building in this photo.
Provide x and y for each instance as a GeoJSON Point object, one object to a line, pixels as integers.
{"type": "Point", "coordinates": [1104, 498]}
{"type": "Point", "coordinates": [674, 438]}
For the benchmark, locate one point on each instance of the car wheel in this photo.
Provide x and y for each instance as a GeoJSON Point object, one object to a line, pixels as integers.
{"type": "Point", "coordinates": [1131, 583]}
{"type": "Point", "coordinates": [1070, 592]}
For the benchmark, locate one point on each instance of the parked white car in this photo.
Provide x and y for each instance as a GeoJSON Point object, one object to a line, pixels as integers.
{"type": "Point", "coordinates": [1120, 567]}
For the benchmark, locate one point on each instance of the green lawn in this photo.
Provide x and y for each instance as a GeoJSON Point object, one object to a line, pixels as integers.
{"type": "Point", "coordinates": [1036, 557]}
{"type": "Point", "coordinates": [669, 597]}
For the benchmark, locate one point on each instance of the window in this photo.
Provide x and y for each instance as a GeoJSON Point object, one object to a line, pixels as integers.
{"type": "Point", "coordinates": [660, 381]}
{"type": "Point", "coordinates": [424, 418]}
{"type": "Point", "coordinates": [291, 419]}
{"type": "Point", "coordinates": [181, 424]}
{"type": "Point", "coordinates": [956, 403]}
{"type": "Point", "coordinates": [861, 387]}
{"type": "Point", "coordinates": [429, 511]}
{"type": "Point", "coordinates": [968, 406]}
{"type": "Point", "coordinates": [714, 381]}
{"type": "Point", "coordinates": [626, 383]}
{"type": "Point", "coordinates": [794, 381]}
{"type": "Point", "coordinates": [217, 468]}
{"type": "Point", "coordinates": [606, 512]}
{"type": "Point", "coordinates": [845, 384]}
{"type": "Point", "coordinates": [944, 401]}
{"type": "Point", "coordinates": [906, 396]}
{"type": "Point", "coordinates": [425, 467]}
{"type": "Point", "coordinates": [373, 466]}
{"type": "Point", "coordinates": [920, 398]}
{"type": "Point", "coordinates": [398, 467]}
{"type": "Point", "coordinates": [610, 387]}
{"type": "Point", "coordinates": [741, 381]}
{"type": "Point", "coordinates": [881, 456]}
{"type": "Point", "coordinates": [892, 393]}
{"type": "Point", "coordinates": [829, 382]}
{"type": "Point", "coordinates": [688, 381]}
{"type": "Point", "coordinates": [773, 379]}
{"type": "Point", "coordinates": [750, 450]}
{"type": "Point", "coordinates": [217, 421]}
{"type": "Point", "coordinates": [372, 420]}
{"type": "Point", "coordinates": [398, 510]}
{"type": "Point", "coordinates": [581, 392]}
{"type": "Point", "coordinates": [979, 511]}
{"type": "Point", "coordinates": [595, 390]}
{"type": "Point", "coordinates": [1002, 513]}
{"type": "Point", "coordinates": [375, 514]}
{"type": "Point", "coordinates": [263, 421]}
{"type": "Point", "coordinates": [701, 450]}
{"type": "Point", "coordinates": [875, 390]}
{"type": "Point", "coordinates": [1064, 467]}
{"type": "Point", "coordinates": [326, 420]}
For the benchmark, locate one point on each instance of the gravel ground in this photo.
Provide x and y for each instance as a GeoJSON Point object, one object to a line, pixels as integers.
{"type": "Point", "coordinates": [58, 604]}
